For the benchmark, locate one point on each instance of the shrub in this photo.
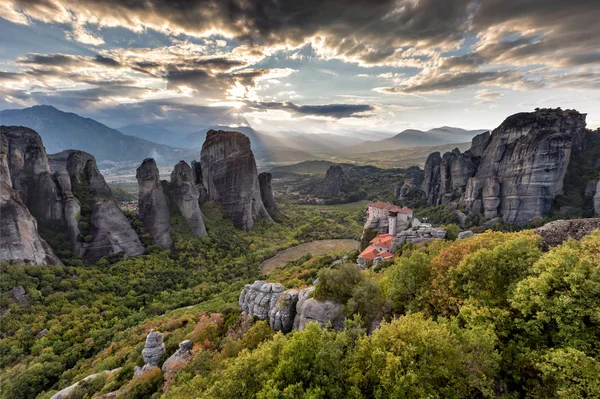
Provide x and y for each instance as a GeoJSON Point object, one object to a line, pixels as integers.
{"type": "Point", "coordinates": [337, 284]}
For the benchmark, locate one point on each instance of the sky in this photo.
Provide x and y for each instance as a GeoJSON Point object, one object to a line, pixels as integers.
{"type": "Point", "coordinates": [349, 67]}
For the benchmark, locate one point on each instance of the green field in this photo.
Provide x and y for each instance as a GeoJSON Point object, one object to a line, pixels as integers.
{"type": "Point", "coordinates": [350, 207]}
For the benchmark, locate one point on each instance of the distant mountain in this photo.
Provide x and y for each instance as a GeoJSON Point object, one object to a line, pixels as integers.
{"type": "Point", "coordinates": [157, 134]}
{"type": "Point", "coordinates": [317, 142]}
{"type": "Point", "coordinates": [418, 138]}
{"type": "Point", "coordinates": [316, 167]}
{"type": "Point", "coordinates": [64, 130]}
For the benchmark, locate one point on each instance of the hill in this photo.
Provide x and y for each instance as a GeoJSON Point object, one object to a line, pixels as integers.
{"type": "Point", "coordinates": [417, 138]}
{"type": "Point", "coordinates": [65, 130]}
{"type": "Point", "coordinates": [157, 134]}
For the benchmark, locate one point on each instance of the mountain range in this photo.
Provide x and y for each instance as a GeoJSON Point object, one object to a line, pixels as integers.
{"type": "Point", "coordinates": [64, 130]}
{"type": "Point", "coordinates": [417, 138]}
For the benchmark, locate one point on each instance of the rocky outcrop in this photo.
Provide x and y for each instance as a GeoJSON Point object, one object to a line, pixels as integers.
{"type": "Point", "coordinates": [431, 181]}
{"type": "Point", "coordinates": [66, 392]}
{"type": "Point", "coordinates": [557, 232]}
{"type": "Point", "coordinates": [259, 298]}
{"type": "Point", "coordinates": [20, 242]}
{"type": "Point", "coordinates": [282, 315]}
{"type": "Point", "coordinates": [406, 190]}
{"type": "Point", "coordinates": [309, 310]}
{"type": "Point", "coordinates": [30, 173]}
{"type": "Point", "coordinates": [72, 208]}
{"type": "Point", "coordinates": [290, 309]}
{"type": "Point", "coordinates": [331, 186]}
{"type": "Point", "coordinates": [198, 181]}
{"type": "Point", "coordinates": [465, 234]}
{"type": "Point", "coordinates": [185, 194]}
{"type": "Point", "coordinates": [183, 354]}
{"type": "Point", "coordinates": [418, 235]}
{"type": "Point", "coordinates": [597, 200]}
{"type": "Point", "coordinates": [110, 230]}
{"type": "Point", "coordinates": [515, 172]}
{"type": "Point", "coordinates": [153, 351]}
{"type": "Point", "coordinates": [152, 202]}
{"type": "Point", "coordinates": [230, 178]}
{"type": "Point", "coordinates": [266, 193]}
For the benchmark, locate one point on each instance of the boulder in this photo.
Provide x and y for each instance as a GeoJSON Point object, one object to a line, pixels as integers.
{"type": "Point", "coordinates": [266, 193]}
{"type": "Point", "coordinates": [259, 298]}
{"type": "Point", "coordinates": [185, 194]}
{"type": "Point", "coordinates": [281, 316]}
{"type": "Point", "coordinates": [154, 348]}
{"type": "Point", "coordinates": [310, 310]}
{"type": "Point", "coordinates": [183, 354]}
{"type": "Point", "coordinates": [42, 333]}
{"type": "Point", "coordinates": [230, 178]}
{"type": "Point", "coordinates": [153, 206]}
{"type": "Point", "coordinates": [557, 232]}
{"type": "Point", "coordinates": [66, 392]}
{"type": "Point", "coordinates": [465, 234]}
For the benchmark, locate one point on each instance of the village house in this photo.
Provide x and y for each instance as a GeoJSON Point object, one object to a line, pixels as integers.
{"type": "Point", "coordinates": [380, 248]}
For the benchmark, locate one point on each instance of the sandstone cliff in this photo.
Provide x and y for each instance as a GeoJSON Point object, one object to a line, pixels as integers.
{"type": "Point", "coordinates": [20, 242]}
{"type": "Point", "coordinates": [331, 186]}
{"type": "Point", "coordinates": [266, 193]}
{"type": "Point", "coordinates": [185, 194]}
{"type": "Point", "coordinates": [515, 172]}
{"type": "Point", "coordinates": [153, 206]}
{"type": "Point", "coordinates": [229, 175]}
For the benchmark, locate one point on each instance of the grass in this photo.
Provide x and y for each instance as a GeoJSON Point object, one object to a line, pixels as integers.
{"type": "Point", "coordinates": [350, 207]}
{"type": "Point", "coordinates": [315, 248]}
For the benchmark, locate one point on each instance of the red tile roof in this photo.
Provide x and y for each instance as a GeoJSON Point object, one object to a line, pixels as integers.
{"type": "Point", "coordinates": [383, 240]}
{"type": "Point", "coordinates": [386, 255]}
{"type": "Point", "coordinates": [406, 211]}
{"type": "Point", "coordinates": [369, 253]}
{"type": "Point", "coordinates": [380, 205]}
{"type": "Point", "coordinates": [390, 207]}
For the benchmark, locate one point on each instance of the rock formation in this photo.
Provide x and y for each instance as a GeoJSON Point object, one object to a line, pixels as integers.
{"type": "Point", "coordinates": [153, 351]}
{"type": "Point", "coordinates": [153, 206]}
{"type": "Point", "coordinates": [230, 178]}
{"type": "Point", "coordinates": [266, 193]}
{"type": "Point", "coordinates": [431, 181]}
{"type": "Point", "coordinates": [415, 236]}
{"type": "Point", "coordinates": [309, 309]}
{"type": "Point", "coordinates": [30, 173]}
{"type": "Point", "coordinates": [198, 181]}
{"type": "Point", "coordinates": [597, 200]}
{"type": "Point", "coordinates": [290, 309]}
{"type": "Point", "coordinates": [515, 172]}
{"type": "Point", "coordinates": [331, 186]}
{"type": "Point", "coordinates": [185, 194]}
{"type": "Point", "coordinates": [20, 242]}
{"type": "Point", "coordinates": [110, 231]}
{"type": "Point", "coordinates": [183, 354]}
{"type": "Point", "coordinates": [66, 392]}
{"type": "Point", "coordinates": [557, 232]}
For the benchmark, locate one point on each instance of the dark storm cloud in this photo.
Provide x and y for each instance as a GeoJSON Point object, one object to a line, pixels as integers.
{"type": "Point", "coordinates": [55, 60]}
{"type": "Point", "coordinates": [336, 111]}
{"type": "Point", "coordinates": [106, 61]}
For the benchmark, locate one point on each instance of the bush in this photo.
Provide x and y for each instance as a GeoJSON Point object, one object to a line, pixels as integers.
{"type": "Point", "coordinates": [337, 284]}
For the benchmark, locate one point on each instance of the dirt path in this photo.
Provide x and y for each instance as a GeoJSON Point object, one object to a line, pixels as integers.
{"type": "Point", "coordinates": [315, 248]}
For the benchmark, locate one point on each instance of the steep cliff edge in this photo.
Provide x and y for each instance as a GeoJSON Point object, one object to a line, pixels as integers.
{"type": "Point", "coordinates": [266, 193]}
{"type": "Point", "coordinates": [20, 242]}
{"type": "Point", "coordinates": [229, 175]}
{"type": "Point", "coordinates": [88, 199]}
{"type": "Point", "coordinates": [185, 194]}
{"type": "Point", "coordinates": [515, 172]}
{"type": "Point", "coordinates": [153, 206]}
{"type": "Point", "coordinates": [30, 173]}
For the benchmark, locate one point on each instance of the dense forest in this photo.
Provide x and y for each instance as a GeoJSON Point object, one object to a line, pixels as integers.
{"type": "Point", "coordinates": [488, 316]}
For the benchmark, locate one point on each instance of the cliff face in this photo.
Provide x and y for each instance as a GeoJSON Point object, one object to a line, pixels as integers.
{"type": "Point", "coordinates": [111, 231]}
{"type": "Point", "coordinates": [20, 242]}
{"type": "Point", "coordinates": [153, 206]}
{"type": "Point", "coordinates": [331, 186]}
{"type": "Point", "coordinates": [229, 175]}
{"type": "Point", "coordinates": [30, 173]}
{"type": "Point", "coordinates": [185, 195]}
{"type": "Point", "coordinates": [266, 193]}
{"type": "Point", "coordinates": [515, 172]}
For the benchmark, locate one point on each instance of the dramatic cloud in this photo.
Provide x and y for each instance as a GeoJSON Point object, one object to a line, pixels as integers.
{"type": "Point", "coordinates": [336, 111]}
